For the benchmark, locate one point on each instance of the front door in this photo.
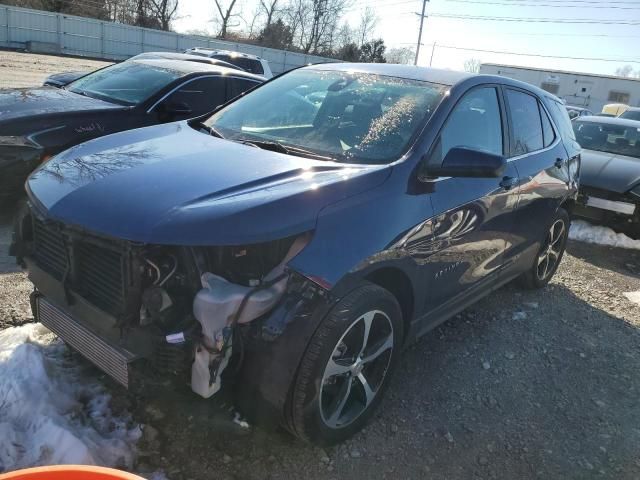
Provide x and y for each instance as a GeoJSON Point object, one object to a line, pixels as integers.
{"type": "Point", "coordinates": [473, 215]}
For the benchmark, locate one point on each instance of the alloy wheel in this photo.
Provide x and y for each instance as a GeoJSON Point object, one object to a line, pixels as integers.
{"type": "Point", "coordinates": [551, 251]}
{"type": "Point", "coordinates": [356, 369]}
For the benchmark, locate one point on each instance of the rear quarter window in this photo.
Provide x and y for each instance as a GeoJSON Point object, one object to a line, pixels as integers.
{"type": "Point", "coordinates": [563, 123]}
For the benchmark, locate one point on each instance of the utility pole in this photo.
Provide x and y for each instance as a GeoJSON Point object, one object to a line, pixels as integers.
{"type": "Point", "coordinates": [422, 17]}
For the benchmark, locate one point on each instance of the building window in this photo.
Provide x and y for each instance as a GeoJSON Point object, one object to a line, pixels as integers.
{"type": "Point", "coordinates": [618, 97]}
{"type": "Point", "coordinates": [550, 87]}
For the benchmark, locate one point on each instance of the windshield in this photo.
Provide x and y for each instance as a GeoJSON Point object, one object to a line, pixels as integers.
{"type": "Point", "coordinates": [127, 83]}
{"type": "Point", "coordinates": [605, 137]}
{"type": "Point", "coordinates": [631, 114]}
{"type": "Point", "coordinates": [349, 117]}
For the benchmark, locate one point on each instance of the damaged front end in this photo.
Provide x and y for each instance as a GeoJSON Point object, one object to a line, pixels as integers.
{"type": "Point", "coordinates": [145, 312]}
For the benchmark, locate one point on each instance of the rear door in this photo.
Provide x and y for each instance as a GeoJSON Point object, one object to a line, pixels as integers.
{"type": "Point", "coordinates": [473, 215]}
{"type": "Point", "coordinates": [542, 163]}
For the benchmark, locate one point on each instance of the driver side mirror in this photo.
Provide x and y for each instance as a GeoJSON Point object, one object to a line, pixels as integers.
{"type": "Point", "coordinates": [470, 163]}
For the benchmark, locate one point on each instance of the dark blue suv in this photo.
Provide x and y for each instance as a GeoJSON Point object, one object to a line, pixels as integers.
{"type": "Point", "coordinates": [289, 245]}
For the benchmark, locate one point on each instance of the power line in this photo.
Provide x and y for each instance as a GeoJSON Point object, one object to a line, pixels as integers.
{"type": "Point", "coordinates": [537, 20]}
{"type": "Point", "coordinates": [374, 4]}
{"type": "Point", "coordinates": [523, 54]}
{"type": "Point", "coordinates": [551, 5]}
{"type": "Point", "coordinates": [584, 1]}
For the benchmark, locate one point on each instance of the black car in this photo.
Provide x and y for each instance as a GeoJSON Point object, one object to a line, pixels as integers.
{"type": "Point", "coordinates": [65, 78]}
{"type": "Point", "coordinates": [36, 123]}
{"type": "Point", "coordinates": [610, 174]}
{"type": "Point", "coordinates": [631, 113]}
{"type": "Point", "coordinates": [291, 254]}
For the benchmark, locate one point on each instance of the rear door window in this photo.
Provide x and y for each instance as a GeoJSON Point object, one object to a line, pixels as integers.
{"type": "Point", "coordinates": [475, 122]}
{"type": "Point", "coordinates": [526, 123]}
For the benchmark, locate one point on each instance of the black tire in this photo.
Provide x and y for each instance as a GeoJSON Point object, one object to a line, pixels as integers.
{"type": "Point", "coordinates": [534, 278]}
{"type": "Point", "coordinates": [336, 338]}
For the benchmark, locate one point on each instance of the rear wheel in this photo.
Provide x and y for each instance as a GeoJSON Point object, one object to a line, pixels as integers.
{"type": "Point", "coordinates": [550, 254]}
{"type": "Point", "coordinates": [346, 368]}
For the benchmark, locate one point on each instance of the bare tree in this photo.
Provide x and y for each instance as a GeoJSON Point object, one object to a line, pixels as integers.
{"type": "Point", "coordinates": [226, 14]}
{"type": "Point", "coordinates": [402, 55]}
{"type": "Point", "coordinates": [472, 65]}
{"type": "Point", "coordinates": [368, 21]}
{"type": "Point", "coordinates": [269, 7]}
{"type": "Point", "coordinates": [626, 71]}
{"type": "Point", "coordinates": [315, 22]}
{"type": "Point", "coordinates": [164, 11]}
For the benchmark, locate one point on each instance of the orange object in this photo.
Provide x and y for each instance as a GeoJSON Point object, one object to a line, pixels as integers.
{"type": "Point", "coordinates": [69, 472]}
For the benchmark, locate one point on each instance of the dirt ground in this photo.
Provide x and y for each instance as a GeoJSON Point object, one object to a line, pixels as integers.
{"type": "Point", "coordinates": [541, 384]}
{"type": "Point", "coordinates": [29, 69]}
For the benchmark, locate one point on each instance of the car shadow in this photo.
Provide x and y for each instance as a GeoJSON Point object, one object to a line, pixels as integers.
{"type": "Point", "coordinates": [620, 260]}
{"type": "Point", "coordinates": [524, 384]}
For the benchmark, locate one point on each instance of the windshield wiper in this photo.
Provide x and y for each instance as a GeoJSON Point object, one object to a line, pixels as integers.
{"type": "Point", "coordinates": [286, 149]}
{"type": "Point", "coordinates": [210, 130]}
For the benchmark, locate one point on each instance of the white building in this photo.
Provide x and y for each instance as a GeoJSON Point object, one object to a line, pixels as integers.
{"type": "Point", "coordinates": [577, 89]}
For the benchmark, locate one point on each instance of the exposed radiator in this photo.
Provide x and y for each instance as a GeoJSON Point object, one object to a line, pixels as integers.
{"type": "Point", "coordinates": [112, 361]}
{"type": "Point", "coordinates": [95, 272]}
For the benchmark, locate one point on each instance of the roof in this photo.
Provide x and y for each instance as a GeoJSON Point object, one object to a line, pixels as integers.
{"type": "Point", "coordinates": [566, 72]}
{"type": "Point", "coordinates": [410, 72]}
{"type": "Point", "coordinates": [187, 67]}
{"type": "Point", "coordinates": [622, 122]}
{"type": "Point", "coordinates": [231, 53]}
{"type": "Point", "coordinates": [182, 56]}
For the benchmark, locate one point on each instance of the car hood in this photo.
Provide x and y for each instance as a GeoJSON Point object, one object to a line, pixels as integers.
{"type": "Point", "coordinates": [607, 171]}
{"type": "Point", "coordinates": [26, 102]}
{"type": "Point", "coordinates": [171, 184]}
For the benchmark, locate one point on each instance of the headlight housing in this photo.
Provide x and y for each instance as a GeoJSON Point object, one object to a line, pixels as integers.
{"type": "Point", "coordinates": [635, 191]}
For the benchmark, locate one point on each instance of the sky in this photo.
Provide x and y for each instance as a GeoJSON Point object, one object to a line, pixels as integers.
{"type": "Point", "coordinates": [587, 29]}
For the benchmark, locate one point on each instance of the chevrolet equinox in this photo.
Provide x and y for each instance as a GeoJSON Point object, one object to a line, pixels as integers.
{"type": "Point", "coordinates": [289, 244]}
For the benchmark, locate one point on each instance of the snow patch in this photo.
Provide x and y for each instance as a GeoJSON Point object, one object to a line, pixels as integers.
{"type": "Point", "coordinates": [51, 411]}
{"type": "Point", "coordinates": [585, 232]}
{"type": "Point", "coordinates": [633, 297]}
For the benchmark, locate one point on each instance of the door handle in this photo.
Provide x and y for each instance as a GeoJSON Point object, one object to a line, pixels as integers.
{"type": "Point", "coordinates": [507, 183]}
{"type": "Point", "coordinates": [559, 163]}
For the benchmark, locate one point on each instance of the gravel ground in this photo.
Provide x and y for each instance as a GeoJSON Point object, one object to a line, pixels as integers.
{"type": "Point", "coordinates": [540, 384]}
{"type": "Point", "coordinates": [29, 69]}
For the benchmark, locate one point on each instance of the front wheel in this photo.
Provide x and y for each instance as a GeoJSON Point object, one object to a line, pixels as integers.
{"type": "Point", "coordinates": [550, 254]}
{"type": "Point", "coordinates": [347, 366]}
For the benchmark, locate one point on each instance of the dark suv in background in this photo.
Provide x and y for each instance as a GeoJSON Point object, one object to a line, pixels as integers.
{"type": "Point", "coordinates": [290, 253]}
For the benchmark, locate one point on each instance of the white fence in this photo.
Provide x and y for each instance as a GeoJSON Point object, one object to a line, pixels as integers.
{"type": "Point", "coordinates": [73, 35]}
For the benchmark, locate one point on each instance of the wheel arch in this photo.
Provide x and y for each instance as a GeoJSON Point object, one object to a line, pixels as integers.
{"type": "Point", "coordinates": [398, 283]}
{"type": "Point", "coordinates": [568, 205]}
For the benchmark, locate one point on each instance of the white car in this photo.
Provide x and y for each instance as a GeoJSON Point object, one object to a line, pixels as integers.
{"type": "Point", "coordinates": [250, 63]}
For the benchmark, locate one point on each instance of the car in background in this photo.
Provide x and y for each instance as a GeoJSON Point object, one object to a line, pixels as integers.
{"type": "Point", "coordinates": [631, 113]}
{"type": "Point", "coordinates": [61, 79]}
{"type": "Point", "coordinates": [575, 112]}
{"type": "Point", "coordinates": [610, 172]}
{"type": "Point", "coordinates": [37, 123]}
{"type": "Point", "coordinates": [292, 256]}
{"type": "Point", "coordinates": [250, 63]}
{"type": "Point", "coordinates": [615, 109]}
